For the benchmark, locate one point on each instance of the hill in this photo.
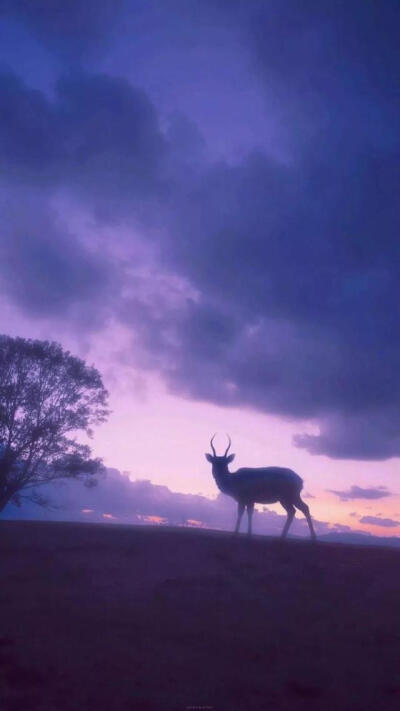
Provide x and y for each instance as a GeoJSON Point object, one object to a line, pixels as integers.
{"type": "Point", "coordinates": [97, 617]}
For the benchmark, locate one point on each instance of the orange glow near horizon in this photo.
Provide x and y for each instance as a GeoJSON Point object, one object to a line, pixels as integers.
{"type": "Point", "coordinates": [152, 519]}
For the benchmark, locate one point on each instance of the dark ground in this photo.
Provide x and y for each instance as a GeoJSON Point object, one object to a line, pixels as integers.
{"type": "Point", "coordinates": [104, 617]}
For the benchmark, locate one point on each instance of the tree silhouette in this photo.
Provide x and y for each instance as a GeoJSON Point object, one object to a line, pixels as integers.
{"type": "Point", "coordinates": [47, 396]}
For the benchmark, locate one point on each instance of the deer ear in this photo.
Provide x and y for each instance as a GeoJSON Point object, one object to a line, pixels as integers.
{"type": "Point", "coordinates": [230, 458]}
{"type": "Point", "coordinates": [209, 458]}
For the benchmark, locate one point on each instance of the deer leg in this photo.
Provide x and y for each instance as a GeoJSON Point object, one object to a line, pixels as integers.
{"type": "Point", "coordinates": [241, 508]}
{"type": "Point", "coordinates": [302, 506]}
{"type": "Point", "coordinates": [250, 511]}
{"type": "Point", "coordinates": [290, 510]}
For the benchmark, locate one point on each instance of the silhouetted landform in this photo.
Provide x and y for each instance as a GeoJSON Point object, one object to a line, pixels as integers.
{"type": "Point", "coordinates": [128, 617]}
{"type": "Point", "coordinates": [362, 539]}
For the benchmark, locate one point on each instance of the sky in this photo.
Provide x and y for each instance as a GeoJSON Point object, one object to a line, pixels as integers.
{"type": "Point", "coordinates": [200, 198]}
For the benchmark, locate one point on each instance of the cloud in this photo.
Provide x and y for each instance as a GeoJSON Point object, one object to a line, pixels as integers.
{"type": "Point", "coordinates": [294, 261]}
{"type": "Point", "coordinates": [378, 521]}
{"type": "Point", "coordinates": [99, 135]}
{"type": "Point", "coordinates": [298, 293]}
{"type": "Point", "coordinates": [73, 29]}
{"type": "Point", "coordinates": [118, 498]}
{"type": "Point", "coordinates": [97, 144]}
{"type": "Point", "coordinates": [357, 492]}
{"type": "Point", "coordinates": [326, 70]}
{"type": "Point", "coordinates": [45, 269]}
{"type": "Point", "coordinates": [289, 262]}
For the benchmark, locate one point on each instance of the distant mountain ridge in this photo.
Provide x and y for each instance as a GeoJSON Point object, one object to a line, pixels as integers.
{"type": "Point", "coordinates": [360, 539]}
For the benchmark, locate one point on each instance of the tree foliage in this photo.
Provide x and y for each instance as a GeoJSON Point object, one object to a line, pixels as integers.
{"type": "Point", "coordinates": [47, 397]}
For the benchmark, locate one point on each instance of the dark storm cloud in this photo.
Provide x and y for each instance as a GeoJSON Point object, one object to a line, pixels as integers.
{"type": "Point", "coordinates": [72, 29]}
{"type": "Point", "coordinates": [357, 492]}
{"type": "Point", "coordinates": [369, 434]}
{"type": "Point", "coordinates": [332, 58]}
{"type": "Point", "coordinates": [97, 140]}
{"type": "Point", "coordinates": [99, 135]}
{"type": "Point", "coordinates": [45, 269]}
{"type": "Point", "coordinates": [297, 262]}
{"type": "Point", "coordinates": [298, 312]}
{"type": "Point", "coordinates": [378, 521]}
{"type": "Point", "coordinates": [325, 67]}
{"type": "Point", "coordinates": [292, 264]}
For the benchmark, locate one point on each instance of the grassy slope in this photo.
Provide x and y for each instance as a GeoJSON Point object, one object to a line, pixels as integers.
{"type": "Point", "coordinates": [96, 617]}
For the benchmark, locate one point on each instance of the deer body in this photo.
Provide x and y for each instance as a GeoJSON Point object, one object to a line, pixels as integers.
{"type": "Point", "coordinates": [249, 485]}
{"type": "Point", "coordinates": [263, 485]}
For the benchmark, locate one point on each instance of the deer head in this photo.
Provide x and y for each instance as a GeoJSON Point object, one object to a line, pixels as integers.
{"type": "Point", "coordinates": [220, 464]}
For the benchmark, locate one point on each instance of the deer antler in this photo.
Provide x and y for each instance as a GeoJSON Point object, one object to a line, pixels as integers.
{"type": "Point", "coordinates": [212, 446]}
{"type": "Point", "coordinates": [229, 445]}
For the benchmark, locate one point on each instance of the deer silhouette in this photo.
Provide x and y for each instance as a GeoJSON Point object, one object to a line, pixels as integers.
{"type": "Point", "coordinates": [263, 485]}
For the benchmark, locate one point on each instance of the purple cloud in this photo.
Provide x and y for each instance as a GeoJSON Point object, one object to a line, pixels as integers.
{"type": "Point", "coordinates": [357, 492]}
{"type": "Point", "coordinates": [118, 499]}
{"type": "Point", "coordinates": [378, 521]}
{"type": "Point", "coordinates": [290, 256]}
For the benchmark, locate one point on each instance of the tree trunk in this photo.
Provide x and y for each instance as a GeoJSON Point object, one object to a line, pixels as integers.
{"type": "Point", "coordinates": [5, 497]}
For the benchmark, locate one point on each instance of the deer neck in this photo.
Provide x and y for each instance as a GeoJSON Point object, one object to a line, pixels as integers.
{"type": "Point", "coordinates": [222, 478]}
